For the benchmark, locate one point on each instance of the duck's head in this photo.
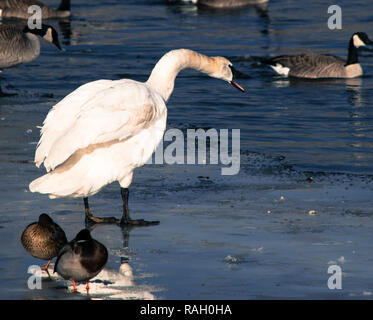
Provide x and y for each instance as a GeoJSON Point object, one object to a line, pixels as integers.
{"type": "Point", "coordinates": [45, 220]}
{"type": "Point", "coordinates": [361, 39]}
{"type": "Point", "coordinates": [224, 70]}
{"type": "Point", "coordinates": [83, 235]}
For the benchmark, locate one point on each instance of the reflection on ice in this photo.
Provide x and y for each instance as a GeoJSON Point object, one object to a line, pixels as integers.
{"type": "Point", "coordinates": [108, 284]}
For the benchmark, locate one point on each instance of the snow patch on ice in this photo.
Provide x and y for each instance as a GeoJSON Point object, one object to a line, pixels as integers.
{"type": "Point", "coordinates": [108, 284]}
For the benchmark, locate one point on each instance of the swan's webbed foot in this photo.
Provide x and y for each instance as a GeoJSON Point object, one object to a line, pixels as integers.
{"type": "Point", "coordinates": [90, 218]}
{"type": "Point", "coordinates": [138, 222]}
{"type": "Point", "coordinates": [126, 220]}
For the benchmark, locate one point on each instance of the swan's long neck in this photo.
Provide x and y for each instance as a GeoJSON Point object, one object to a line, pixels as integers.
{"type": "Point", "coordinates": [163, 76]}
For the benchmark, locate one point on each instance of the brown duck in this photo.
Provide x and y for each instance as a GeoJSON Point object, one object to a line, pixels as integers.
{"type": "Point", "coordinates": [43, 239]}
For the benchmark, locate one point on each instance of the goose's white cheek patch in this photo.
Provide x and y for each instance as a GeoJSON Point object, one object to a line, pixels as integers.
{"type": "Point", "coordinates": [284, 71]}
{"type": "Point", "coordinates": [357, 42]}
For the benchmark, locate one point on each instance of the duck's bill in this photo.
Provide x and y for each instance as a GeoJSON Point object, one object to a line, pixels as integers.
{"type": "Point", "coordinates": [236, 85]}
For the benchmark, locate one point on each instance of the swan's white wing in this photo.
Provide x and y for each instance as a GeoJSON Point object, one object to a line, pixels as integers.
{"type": "Point", "coordinates": [63, 115]}
{"type": "Point", "coordinates": [112, 112]}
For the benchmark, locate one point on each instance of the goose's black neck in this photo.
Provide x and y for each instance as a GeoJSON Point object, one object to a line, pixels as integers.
{"type": "Point", "coordinates": [352, 53]}
{"type": "Point", "coordinates": [64, 5]}
{"type": "Point", "coordinates": [40, 32]}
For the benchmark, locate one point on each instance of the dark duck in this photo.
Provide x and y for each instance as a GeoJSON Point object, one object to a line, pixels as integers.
{"type": "Point", "coordinates": [81, 259]}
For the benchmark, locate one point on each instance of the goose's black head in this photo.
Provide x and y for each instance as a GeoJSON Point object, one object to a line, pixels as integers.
{"type": "Point", "coordinates": [47, 32]}
{"type": "Point", "coordinates": [358, 39]}
{"type": "Point", "coordinates": [361, 39]}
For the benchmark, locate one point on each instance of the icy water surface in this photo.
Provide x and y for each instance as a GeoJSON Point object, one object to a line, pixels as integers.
{"type": "Point", "coordinates": [270, 231]}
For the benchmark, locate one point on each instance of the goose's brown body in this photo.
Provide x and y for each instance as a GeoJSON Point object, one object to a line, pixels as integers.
{"type": "Point", "coordinates": [19, 9]}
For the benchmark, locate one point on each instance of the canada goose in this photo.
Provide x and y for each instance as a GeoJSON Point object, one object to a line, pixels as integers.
{"type": "Point", "coordinates": [316, 66]}
{"type": "Point", "coordinates": [20, 44]}
{"type": "Point", "coordinates": [43, 239]}
{"type": "Point", "coordinates": [19, 9]}
{"type": "Point", "coordinates": [105, 129]}
{"type": "Point", "coordinates": [229, 3]}
{"type": "Point", "coordinates": [81, 259]}
{"type": "Point", "coordinates": [224, 3]}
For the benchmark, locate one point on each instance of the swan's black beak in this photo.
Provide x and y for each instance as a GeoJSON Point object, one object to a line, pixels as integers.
{"type": "Point", "coordinates": [234, 83]}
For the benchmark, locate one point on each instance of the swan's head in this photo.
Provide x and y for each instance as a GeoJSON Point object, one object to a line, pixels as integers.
{"type": "Point", "coordinates": [361, 39]}
{"type": "Point", "coordinates": [223, 69]}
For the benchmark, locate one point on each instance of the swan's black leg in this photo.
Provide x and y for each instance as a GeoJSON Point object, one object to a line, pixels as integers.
{"type": "Point", "coordinates": [89, 218]}
{"type": "Point", "coordinates": [126, 219]}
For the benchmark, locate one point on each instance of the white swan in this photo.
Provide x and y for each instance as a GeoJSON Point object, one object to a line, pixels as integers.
{"type": "Point", "coordinates": [103, 130]}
